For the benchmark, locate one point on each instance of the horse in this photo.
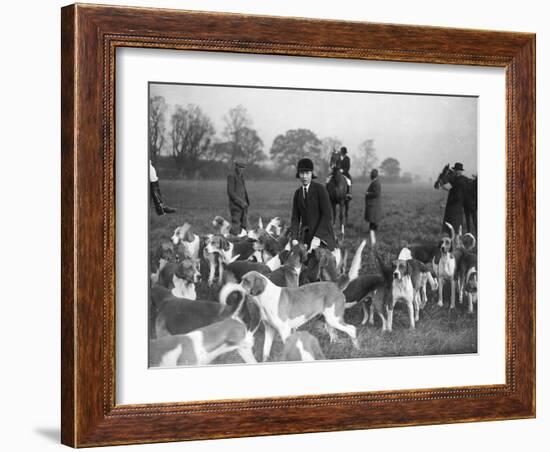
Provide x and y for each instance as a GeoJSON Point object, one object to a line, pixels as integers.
{"type": "Point", "coordinates": [337, 190]}
{"type": "Point", "coordinates": [470, 196]}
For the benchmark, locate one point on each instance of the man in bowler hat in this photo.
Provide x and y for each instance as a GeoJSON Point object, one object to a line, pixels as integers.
{"type": "Point", "coordinates": [238, 200]}
{"type": "Point", "coordinates": [311, 210]}
{"type": "Point", "coordinates": [454, 209]}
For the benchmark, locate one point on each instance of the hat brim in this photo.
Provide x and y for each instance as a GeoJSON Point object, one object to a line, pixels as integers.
{"type": "Point", "coordinates": [313, 176]}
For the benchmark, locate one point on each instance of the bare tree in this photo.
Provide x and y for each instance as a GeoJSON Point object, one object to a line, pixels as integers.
{"type": "Point", "coordinates": [157, 127]}
{"type": "Point", "coordinates": [245, 144]}
{"type": "Point", "coordinates": [368, 157]}
{"type": "Point", "coordinates": [249, 146]}
{"type": "Point", "coordinates": [191, 134]}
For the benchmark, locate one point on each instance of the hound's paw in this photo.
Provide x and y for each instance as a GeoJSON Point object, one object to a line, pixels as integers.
{"type": "Point", "coordinates": [440, 304]}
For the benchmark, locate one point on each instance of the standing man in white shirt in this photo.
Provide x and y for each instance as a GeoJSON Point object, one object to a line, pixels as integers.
{"type": "Point", "coordinates": [154, 188]}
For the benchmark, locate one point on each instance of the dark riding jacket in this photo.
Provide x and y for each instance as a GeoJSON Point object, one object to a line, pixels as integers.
{"type": "Point", "coordinates": [345, 166]}
{"type": "Point", "coordinates": [312, 217]}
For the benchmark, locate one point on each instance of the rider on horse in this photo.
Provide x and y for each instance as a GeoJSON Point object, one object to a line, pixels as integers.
{"type": "Point", "coordinates": [346, 164]}
{"type": "Point", "coordinates": [343, 164]}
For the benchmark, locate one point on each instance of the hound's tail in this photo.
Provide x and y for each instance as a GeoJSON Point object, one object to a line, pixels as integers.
{"type": "Point", "coordinates": [356, 262]}
{"type": "Point", "coordinates": [451, 229]}
{"type": "Point", "coordinates": [228, 289]}
{"type": "Point", "coordinates": [343, 280]}
{"type": "Point", "coordinates": [384, 269]}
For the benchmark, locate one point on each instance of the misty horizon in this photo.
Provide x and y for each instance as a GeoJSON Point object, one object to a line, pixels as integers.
{"type": "Point", "coordinates": [422, 131]}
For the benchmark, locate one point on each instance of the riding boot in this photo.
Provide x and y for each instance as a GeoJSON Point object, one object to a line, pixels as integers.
{"type": "Point", "coordinates": [348, 194]}
{"type": "Point", "coordinates": [160, 208]}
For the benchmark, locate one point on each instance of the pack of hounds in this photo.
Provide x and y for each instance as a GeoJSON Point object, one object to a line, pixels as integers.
{"type": "Point", "coordinates": [272, 283]}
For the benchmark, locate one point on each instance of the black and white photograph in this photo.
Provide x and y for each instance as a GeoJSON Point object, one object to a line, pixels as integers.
{"type": "Point", "coordinates": [290, 224]}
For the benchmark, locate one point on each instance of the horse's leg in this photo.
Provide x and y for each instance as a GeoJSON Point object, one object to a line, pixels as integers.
{"type": "Point", "coordinates": [333, 212]}
{"type": "Point", "coordinates": [347, 210]}
{"type": "Point", "coordinates": [341, 216]}
{"type": "Point", "coordinates": [468, 215]}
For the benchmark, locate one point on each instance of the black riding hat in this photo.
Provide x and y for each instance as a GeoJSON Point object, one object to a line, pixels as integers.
{"type": "Point", "coordinates": [305, 165]}
{"type": "Point", "coordinates": [458, 167]}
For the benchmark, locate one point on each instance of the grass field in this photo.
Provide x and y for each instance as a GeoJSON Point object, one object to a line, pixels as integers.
{"type": "Point", "coordinates": [410, 213]}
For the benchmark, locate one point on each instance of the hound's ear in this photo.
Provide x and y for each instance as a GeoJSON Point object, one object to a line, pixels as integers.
{"type": "Point", "coordinates": [258, 285]}
{"type": "Point", "coordinates": [189, 235]}
{"type": "Point", "coordinates": [303, 254]}
{"type": "Point", "coordinates": [177, 281]}
{"type": "Point", "coordinates": [224, 244]}
{"type": "Point", "coordinates": [260, 223]}
{"type": "Point", "coordinates": [410, 267]}
{"type": "Point", "coordinates": [283, 256]}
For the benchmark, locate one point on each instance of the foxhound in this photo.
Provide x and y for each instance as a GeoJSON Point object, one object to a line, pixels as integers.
{"type": "Point", "coordinates": [234, 271]}
{"type": "Point", "coordinates": [274, 227]}
{"type": "Point", "coordinates": [302, 346]}
{"type": "Point", "coordinates": [288, 275]}
{"type": "Point", "coordinates": [202, 346]}
{"type": "Point", "coordinates": [403, 284]}
{"type": "Point", "coordinates": [230, 251]}
{"type": "Point", "coordinates": [402, 289]}
{"type": "Point", "coordinates": [446, 268]}
{"type": "Point", "coordinates": [360, 290]}
{"type": "Point", "coordinates": [173, 315]}
{"type": "Point", "coordinates": [180, 278]}
{"type": "Point", "coordinates": [190, 242]}
{"type": "Point", "coordinates": [162, 255]}
{"type": "Point", "coordinates": [284, 309]}
{"type": "Point", "coordinates": [467, 279]}
{"type": "Point", "coordinates": [221, 226]}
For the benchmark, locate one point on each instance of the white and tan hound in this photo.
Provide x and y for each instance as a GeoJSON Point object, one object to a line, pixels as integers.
{"type": "Point", "coordinates": [202, 346]}
{"type": "Point", "coordinates": [446, 268]}
{"type": "Point", "coordinates": [284, 309]}
{"type": "Point", "coordinates": [190, 242]}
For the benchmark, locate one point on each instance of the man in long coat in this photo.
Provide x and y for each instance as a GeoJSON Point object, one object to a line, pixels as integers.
{"type": "Point", "coordinates": [238, 200]}
{"type": "Point", "coordinates": [311, 210]}
{"type": "Point", "coordinates": [373, 205]}
{"type": "Point", "coordinates": [454, 209]}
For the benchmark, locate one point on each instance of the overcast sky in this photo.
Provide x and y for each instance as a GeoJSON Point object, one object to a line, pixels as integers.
{"type": "Point", "coordinates": [423, 132]}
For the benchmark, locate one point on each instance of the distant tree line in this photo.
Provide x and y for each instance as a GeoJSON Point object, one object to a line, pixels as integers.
{"type": "Point", "coordinates": [190, 147]}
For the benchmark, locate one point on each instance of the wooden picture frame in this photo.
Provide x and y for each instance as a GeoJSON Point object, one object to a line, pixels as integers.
{"type": "Point", "coordinates": [90, 35]}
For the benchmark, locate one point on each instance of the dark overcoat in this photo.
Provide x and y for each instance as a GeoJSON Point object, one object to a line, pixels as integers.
{"type": "Point", "coordinates": [312, 217]}
{"type": "Point", "coordinates": [236, 190]}
{"type": "Point", "coordinates": [373, 202]}
{"type": "Point", "coordinates": [454, 209]}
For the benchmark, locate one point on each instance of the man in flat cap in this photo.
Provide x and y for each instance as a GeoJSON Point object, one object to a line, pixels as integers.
{"type": "Point", "coordinates": [311, 210]}
{"type": "Point", "coordinates": [238, 199]}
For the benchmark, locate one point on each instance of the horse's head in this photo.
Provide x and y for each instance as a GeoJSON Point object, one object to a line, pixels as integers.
{"type": "Point", "coordinates": [335, 160]}
{"type": "Point", "coordinates": [444, 176]}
